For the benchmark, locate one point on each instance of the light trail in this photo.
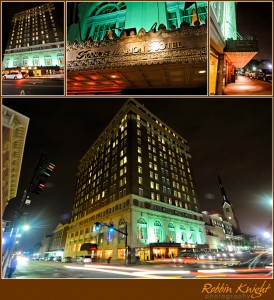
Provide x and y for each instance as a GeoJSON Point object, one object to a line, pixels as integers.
{"type": "Point", "coordinates": [134, 274]}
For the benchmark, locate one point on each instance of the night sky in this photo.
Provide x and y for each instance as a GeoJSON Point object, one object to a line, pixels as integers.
{"type": "Point", "coordinates": [229, 137]}
{"type": "Point", "coordinates": [255, 19]}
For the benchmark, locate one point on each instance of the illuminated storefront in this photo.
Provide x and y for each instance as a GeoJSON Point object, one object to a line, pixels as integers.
{"type": "Point", "coordinates": [228, 50]}
{"type": "Point", "coordinates": [163, 46]}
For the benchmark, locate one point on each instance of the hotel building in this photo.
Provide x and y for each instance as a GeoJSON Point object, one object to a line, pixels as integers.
{"type": "Point", "coordinates": [136, 176]}
{"type": "Point", "coordinates": [36, 42]}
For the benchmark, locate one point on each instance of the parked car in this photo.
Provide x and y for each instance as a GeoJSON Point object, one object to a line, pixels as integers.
{"type": "Point", "coordinates": [57, 258]}
{"type": "Point", "coordinates": [13, 75]}
{"type": "Point", "coordinates": [67, 259]}
{"type": "Point", "coordinates": [264, 74]}
{"type": "Point", "coordinates": [207, 256]}
{"type": "Point", "coordinates": [84, 259]}
{"type": "Point", "coordinates": [253, 74]}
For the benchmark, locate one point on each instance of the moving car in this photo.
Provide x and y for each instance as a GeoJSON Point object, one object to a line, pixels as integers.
{"type": "Point", "coordinates": [186, 258]}
{"type": "Point", "coordinates": [13, 75]}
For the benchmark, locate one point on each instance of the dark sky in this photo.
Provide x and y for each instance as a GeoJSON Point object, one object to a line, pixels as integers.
{"type": "Point", "coordinates": [10, 8]}
{"type": "Point", "coordinates": [255, 19]}
{"type": "Point", "coordinates": [230, 137]}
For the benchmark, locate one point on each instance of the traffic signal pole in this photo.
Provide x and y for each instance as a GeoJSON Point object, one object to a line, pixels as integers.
{"type": "Point", "coordinates": [97, 227]}
{"type": "Point", "coordinates": [40, 165]}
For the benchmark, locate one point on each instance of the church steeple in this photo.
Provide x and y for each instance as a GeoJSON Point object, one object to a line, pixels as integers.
{"type": "Point", "coordinates": [228, 210]}
{"type": "Point", "coordinates": [225, 199]}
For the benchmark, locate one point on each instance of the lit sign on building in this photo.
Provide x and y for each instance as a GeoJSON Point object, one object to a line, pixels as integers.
{"type": "Point", "coordinates": [185, 45]}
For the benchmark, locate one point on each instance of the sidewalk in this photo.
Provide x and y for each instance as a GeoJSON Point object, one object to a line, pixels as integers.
{"type": "Point", "coordinates": [246, 86]}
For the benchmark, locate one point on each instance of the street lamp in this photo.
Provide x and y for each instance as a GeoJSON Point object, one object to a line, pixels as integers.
{"type": "Point", "coordinates": [26, 227]}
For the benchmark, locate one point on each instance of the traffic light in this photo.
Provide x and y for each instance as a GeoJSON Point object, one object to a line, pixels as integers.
{"type": "Point", "coordinates": [47, 169]}
{"type": "Point", "coordinates": [97, 226]}
{"type": "Point", "coordinates": [111, 228]}
{"type": "Point", "coordinates": [39, 187]}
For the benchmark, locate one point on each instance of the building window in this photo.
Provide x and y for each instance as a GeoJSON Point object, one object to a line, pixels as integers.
{"type": "Point", "coordinates": [140, 180]}
{"type": "Point", "coordinates": [192, 236]}
{"type": "Point", "coordinates": [139, 159]}
{"type": "Point", "coordinates": [141, 193]}
{"type": "Point", "coordinates": [171, 233]}
{"type": "Point", "coordinates": [158, 231]}
{"type": "Point", "coordinates": [140, 171]}
{"type": "Point", "coordinates": [141, 229]}
{"type": "Point", "coordinates": [122, 227]}
{"type": "Point", "coordinates": [183, 233]}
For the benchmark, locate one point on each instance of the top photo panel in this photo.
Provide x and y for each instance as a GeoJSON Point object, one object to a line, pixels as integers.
{"type": "Point", "coordinates": [240, 48]}
{"type": "Point", "coordinates": [137, 48]}
{"type": "Point", "coordinates": [33, 57]}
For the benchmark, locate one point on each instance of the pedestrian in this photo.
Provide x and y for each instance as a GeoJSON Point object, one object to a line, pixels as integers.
{"type": "Point", "coordinates": [12, 266]}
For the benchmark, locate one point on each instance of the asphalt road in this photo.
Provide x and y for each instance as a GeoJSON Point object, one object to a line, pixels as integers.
{"type": "Point", "coordinates": [33, 86]}
{"type": "Point", "coordinates": [251, 267]}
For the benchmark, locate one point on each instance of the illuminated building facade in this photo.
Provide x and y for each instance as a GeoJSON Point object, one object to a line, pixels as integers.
{"type": "Point", "coordinates": [136, 176]}
{"type": "Point", "coordinates": [228, 50]}
{"type": "Point", "coordinates": [36, 42]}
{"type": "Point", "coordinates": [14, 132]}
{"type": "Point", "coordinates": [117, 46]}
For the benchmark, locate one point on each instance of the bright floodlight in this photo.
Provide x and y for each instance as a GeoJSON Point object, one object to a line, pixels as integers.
{"type": "Point", "coordinates": [26, 227]}
{"type": "Point", "coordinates": [266, 234]}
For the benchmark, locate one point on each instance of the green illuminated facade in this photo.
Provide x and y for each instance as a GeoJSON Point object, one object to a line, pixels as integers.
{"type": "Point", "coordinates": [137, 173]}
{"type": "Point", "coordinates": [94, 19]}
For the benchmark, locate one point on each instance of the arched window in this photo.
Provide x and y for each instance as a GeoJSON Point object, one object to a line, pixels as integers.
{"type": "Point", "coordinates": [141, 229]}
{"type": "Point", "coordinates": [106, 16]}
{"type": "Point", "coordinates": [179, 12]}
{"type": "Point", "coordinates": [171, 233]}
{"type": "Point", "coordinates": [25, 61]}
{"type": "Point", "coordinates": [35, 61]}
{"type": "Point", "coordinates": [201, 236]}
{"type": "Point", "coordinates": [183, 234]}
{"type": "Point", "coordinates": [192, 236]}
{"type": "Point", "coordinates": [16, 62]}
{"type": "Point", "coordinates": [158, 231]}
{"type": "Point", "coordinates": [60, 58]}
{"type": "Point", "coordinates": [48, 60]}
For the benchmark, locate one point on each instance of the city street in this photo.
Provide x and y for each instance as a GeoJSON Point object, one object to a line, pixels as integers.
{"type": "Point", "coordinates": [247, 86]}
{"type": "Point", "coordinates": [252, 266]}
{"type": "Point", "coordinates": [34, 86]}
